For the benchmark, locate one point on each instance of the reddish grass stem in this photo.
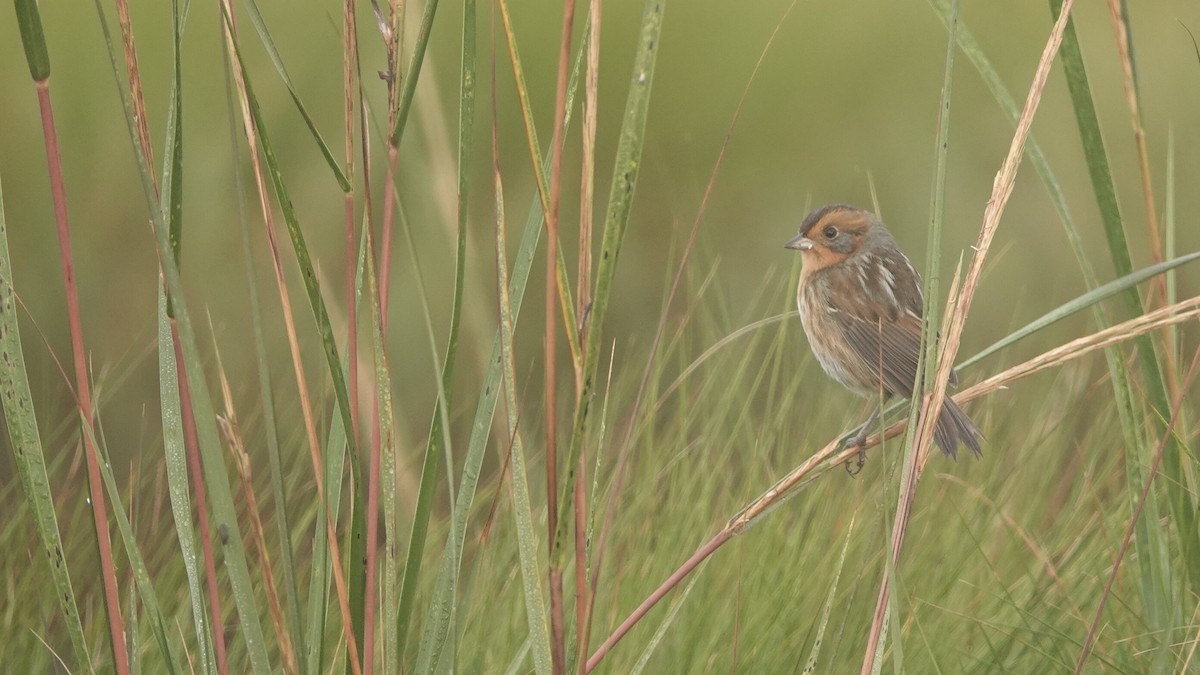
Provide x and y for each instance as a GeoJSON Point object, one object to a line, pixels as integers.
{"type": "Point", "coordinates": [672, 581]}
{"type": "Point", "coordinates": [112, 598]}
{"type": "Point", "coordinates": [558, 651]}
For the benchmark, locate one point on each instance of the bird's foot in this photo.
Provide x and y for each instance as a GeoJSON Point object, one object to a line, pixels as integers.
{"type": "Point", "coordinates": [859, 440]}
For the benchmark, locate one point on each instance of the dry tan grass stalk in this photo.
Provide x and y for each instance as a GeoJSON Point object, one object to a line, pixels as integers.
{"type": "Point", "coordinates": [310, 427]}
{"type": "Point", "coordinates": [956, 318]}
{"type": "Point", "coordinates": [129, 49]}
{"type": "Point", "coordinates": [233, 435]}
{"type": "Point", "coordinates": [1158, 295]}
{"type": "Point", "coordinates": [832, 455]}
{"type": "Point", "coordinates": [1117, 16]}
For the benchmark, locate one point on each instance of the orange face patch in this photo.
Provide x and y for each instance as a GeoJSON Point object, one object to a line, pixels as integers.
{"type": "Point", "coordinates": [819, 257]}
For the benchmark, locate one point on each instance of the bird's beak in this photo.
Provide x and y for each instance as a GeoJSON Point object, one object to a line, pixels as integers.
{"type": "Point", "coordinates": [799, 243]}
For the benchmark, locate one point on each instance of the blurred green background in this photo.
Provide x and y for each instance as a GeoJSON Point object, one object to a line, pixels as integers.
{"type": "Point", "coordinates": [847, 95]}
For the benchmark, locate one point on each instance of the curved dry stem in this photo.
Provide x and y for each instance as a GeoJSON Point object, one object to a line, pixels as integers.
{"type": "Point", "coordinates": [832, 455]}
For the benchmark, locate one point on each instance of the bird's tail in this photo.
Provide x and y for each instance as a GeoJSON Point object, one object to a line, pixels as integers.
{"type": "Point", "coordinates": [955, 427]}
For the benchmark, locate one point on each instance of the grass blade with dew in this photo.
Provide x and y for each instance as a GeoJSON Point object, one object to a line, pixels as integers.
{"type": "Point", "coordinates": [266, 392]}
{"type": "Point", "coordinates": [440, 617]}
{"type": "Point", "coordinates": [175, 459]}
{"type": "Point", "coordinates": [485, 409]}
{"type": "Point", "coordinates": [26, 445]}
{"type": "Point", "coordinates": [141, 574]}
{"type": "Point", "coordinates": [171, 373]}
{"type": "Point", "coordinates": [535, 608]}
{"type": "Point", "coordinates": [337, 372]}
{"type": "Point", "coordinates": [176, 418]}
{"type": "Point", "coordinates": [215, 474]}
{"type": "Point", "coordinates": [625, 174]}
{"type": "Point", "coordinates": [388, 464]}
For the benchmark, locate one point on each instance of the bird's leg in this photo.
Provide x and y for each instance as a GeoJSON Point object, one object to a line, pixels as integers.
{"type": "Point", "coordinates": [859, 441]}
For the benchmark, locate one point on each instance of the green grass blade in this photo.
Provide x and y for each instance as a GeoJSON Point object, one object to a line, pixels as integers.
{"type": "Point", "coordinates": [442, 605]}
{"type": "Point", "coordinates": [266, 394]}
{"type": "Point", "coordinates": [178, 486]}
{"type": "Point", "coordinates": [357, 534]}
{"type": "Point", "coordinates": [1182, 504]}
{"type": "Point", "coordinates": [174, 452]}
{"type": "Point", "coordinates": [141, 575]}
{"type": "Point", "coordinates": [432, 457]}
{"type": "Point", "coordinates": [391, 568]}
{"type": "Point", "coordinates": [1089, 299]}
{"type": "Point", "coordinates": [215, 474]}
{"type": "Point", "coordinates": [527, 543]}
{"type": "Point", "coordinates": [356, 560]}
{"type": "Point", "coordinates": [413, 72]}
{"type": "Point", "coordinates": [937, 211]}
{"type": "Point", "coordinates": [26, 445]}
{"type": "Point", "coordinates": [444, 588]}
{"type": "Point", "coordinates": [29, 22]}
{"type": "Point", "coordinates": [318, 588]}
{"type": "Point", "coordinates": [172, 180]}
{"type": "Point", "coordinates": [1099, 171]}
{"type": "Point", "coordinates": [269, 44]}
{"type": "Point", "coordinates": [810, 666]}
{"type": "Point", "coordinates": [620, 201]}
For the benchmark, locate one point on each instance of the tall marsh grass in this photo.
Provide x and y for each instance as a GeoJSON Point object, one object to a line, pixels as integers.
{"type": "Point", "coordinates": [567, 495]}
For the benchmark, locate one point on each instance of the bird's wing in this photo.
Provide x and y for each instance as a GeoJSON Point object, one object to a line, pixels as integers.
{"type": "Point", "coordinates": [878, 308]}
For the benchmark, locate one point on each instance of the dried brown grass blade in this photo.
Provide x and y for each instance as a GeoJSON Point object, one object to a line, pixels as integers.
{"type": "Point", "coordinates": [832, 455]}
{"type": "Point", "coordinates": [956, 318]}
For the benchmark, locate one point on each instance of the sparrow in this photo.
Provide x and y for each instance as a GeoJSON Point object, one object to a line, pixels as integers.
{"type": "Point", "coordinates": [861, 305]}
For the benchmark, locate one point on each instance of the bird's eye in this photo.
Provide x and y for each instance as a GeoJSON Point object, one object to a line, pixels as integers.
{"type": "Point", "coordinates": [830, 232]}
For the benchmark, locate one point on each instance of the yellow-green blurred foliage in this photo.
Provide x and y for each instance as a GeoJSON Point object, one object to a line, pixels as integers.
{"type": "Point", "coordinates": [847, 95]}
